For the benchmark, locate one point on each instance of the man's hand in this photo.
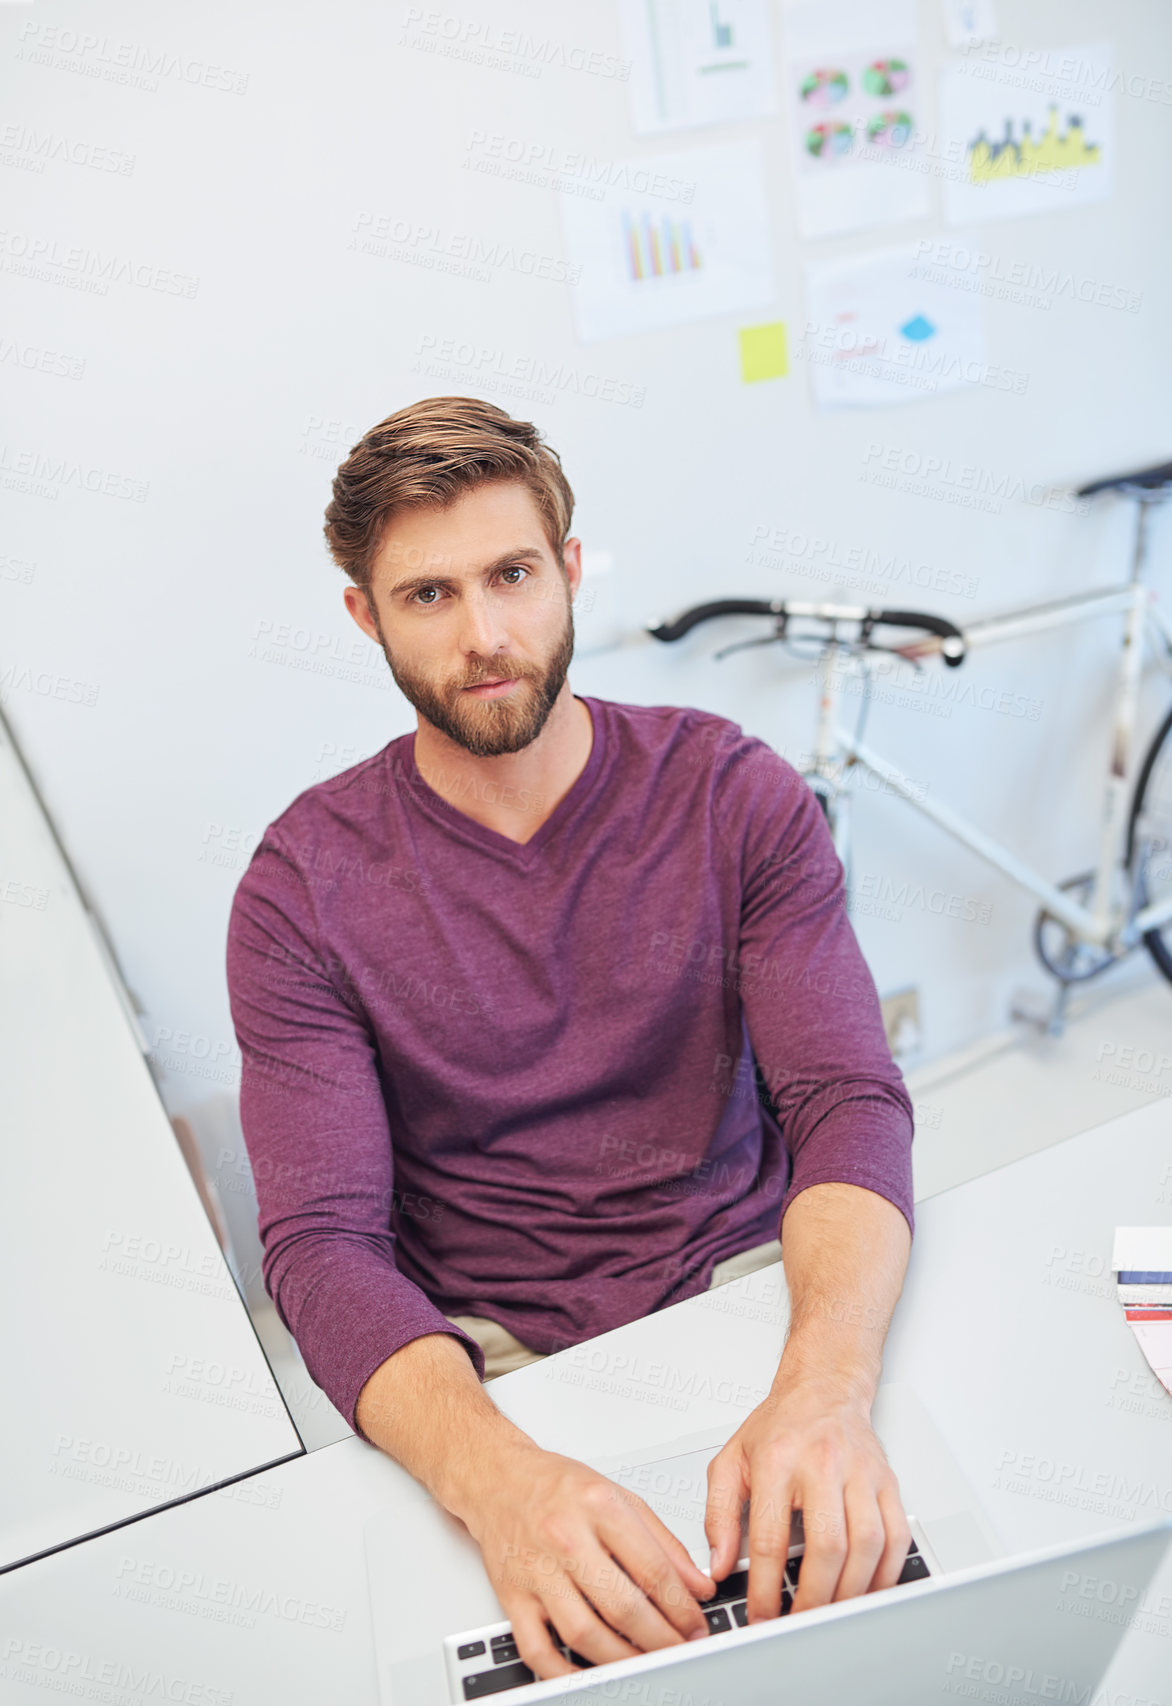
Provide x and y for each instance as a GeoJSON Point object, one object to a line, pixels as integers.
{"type": "Point", "coordinates": [559, 1541]}
{"type": "Point", "coordinates": [562, 1543]}
{"type": "Point", "coordinates": [809, 1448]}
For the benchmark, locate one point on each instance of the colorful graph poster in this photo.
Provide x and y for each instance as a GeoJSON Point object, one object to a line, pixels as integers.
{"type": "Point", "coordinates": [875, 334]}
{"type": "Point", "coordinates": [855, 114]}
{"type": "Point", "coordinates": [693, 242]}
{"type": "Point", "coordinates": [1024, 138]}
{"type": "Point", "coordinates": [698, 62]}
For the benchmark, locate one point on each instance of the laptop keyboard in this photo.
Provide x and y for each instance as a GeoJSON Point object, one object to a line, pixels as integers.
{"type": "Point", "coordinates": [724, 1611]}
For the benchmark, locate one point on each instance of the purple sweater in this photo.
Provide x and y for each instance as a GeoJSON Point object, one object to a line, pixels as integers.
{"type": "Point", "coordinates": [529, 1082]}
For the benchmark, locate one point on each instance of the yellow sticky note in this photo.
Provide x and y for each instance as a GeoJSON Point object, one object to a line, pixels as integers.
{"type": "Point", "coordinates": [763, 352]}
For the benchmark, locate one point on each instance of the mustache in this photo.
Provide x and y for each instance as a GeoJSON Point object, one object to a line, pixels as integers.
{"type": "Point", "coordinates": [495, 675]}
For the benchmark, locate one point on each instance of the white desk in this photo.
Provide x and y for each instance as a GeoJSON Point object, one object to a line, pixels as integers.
{"type": "Point", "coordinates": [130, 1369]}
{"type": "Point", "coordinates": [1020, 1354]}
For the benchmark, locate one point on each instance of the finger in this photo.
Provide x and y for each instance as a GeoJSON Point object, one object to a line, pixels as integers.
{"type": "Point", "coordinates": [771, 1499]}
{"type": "Point", "coordinates": [691, 1574]}
{"type": "Point", "coordinates": [824, 1526]}
{"type": "Point", "coordinates": [866, 1538]}
{"type": "Point", "coordinates": [899, 1537]}
{"type": "Point", "coordinates": [637, 1588]}
{"type": "Point", "coordinates": [693, 1580]}
{"type": "Point", "coordinates": [574, 1615]}
{"type": "Point", "coordinates": [728, 1488]}
{"type": "Point", "coordinates": [534, 1641]}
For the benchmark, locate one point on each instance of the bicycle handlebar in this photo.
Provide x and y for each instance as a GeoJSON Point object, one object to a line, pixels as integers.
{"type": "Point", "coordinates": [871, 619]}
{"type": "Point", "coordinates": [938, 625]}
{"type": "Point", "coordinates": [720, 607]}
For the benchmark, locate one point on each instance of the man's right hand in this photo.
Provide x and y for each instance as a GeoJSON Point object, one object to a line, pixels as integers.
{"type": "Point", "coordinates": [564, 1545]}
{"type": "Point", "coordinates": [560, 1542]}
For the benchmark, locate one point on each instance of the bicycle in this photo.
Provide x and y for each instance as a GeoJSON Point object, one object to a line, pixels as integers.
{"type": "Point", "coordinates": [1087, 922]}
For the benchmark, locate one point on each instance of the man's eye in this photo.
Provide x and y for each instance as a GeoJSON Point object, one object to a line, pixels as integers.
{"type": "Point", "coordinates": [418, 597]}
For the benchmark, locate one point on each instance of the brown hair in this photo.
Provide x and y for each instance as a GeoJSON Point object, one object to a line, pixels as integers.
{"type": "Point", "coordinates": [426, 456]}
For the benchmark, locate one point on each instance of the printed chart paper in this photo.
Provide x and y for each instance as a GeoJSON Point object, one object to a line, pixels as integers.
{"type": "Point", "coordinates": [1027, 133]}
{"type": "Point", "coordinates": [1142, 1260]}
{"type": "Point", "coordinates": [698, 62]}
{"type": "Point", "coordinates": [856, 122]}
{"type": "Point", "coordinates": [1142, 1247]}
{"type": "Point", "coordinates": [700, 247]}
{"type": "Point", "coordinates": [1155, 1341]}
{"type": "Point", "coordinates": [876, 334]}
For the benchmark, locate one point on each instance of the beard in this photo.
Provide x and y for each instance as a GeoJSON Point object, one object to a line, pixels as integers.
{"type": "Point", "coordinates": [487, 728]}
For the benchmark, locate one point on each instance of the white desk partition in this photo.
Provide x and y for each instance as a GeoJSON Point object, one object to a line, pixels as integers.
{"type": "Point", "coordinates": [1007, 1332]}
{"type": "Point", "coordinates": [130, 1370]}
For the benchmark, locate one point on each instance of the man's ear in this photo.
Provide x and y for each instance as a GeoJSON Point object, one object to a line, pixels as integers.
{"type": "Point", "coordinates": [572, 557]}
{"type": "Point", "coordinates": [357, 602]}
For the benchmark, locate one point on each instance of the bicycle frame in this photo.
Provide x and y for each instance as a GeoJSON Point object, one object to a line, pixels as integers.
{"type": "Point", "coordinates": [1101, 923]}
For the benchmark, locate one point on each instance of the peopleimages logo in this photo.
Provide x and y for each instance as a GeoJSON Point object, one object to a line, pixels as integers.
{"type": "Point", "coordinates": [975, 1674]}
{"type": "Point", "coordinates": [550, 165]}
{"type": "Point", "coordinates": [416, 244]}
{"type": "Point", "coordinates": [898, 361]}
{"type": "Point", "coordinates": [65, 1670]}
{"type": "Point", "coordinates": [126, 62]}
{"type": "Point", "coordinates": [961, 482]}
{"type": "Point", "coordinates": [965, 268]}
{"type": "Point", "coordinates": [54, 474]}
{"type": "Point", "coordinates": [827, 559]}
{"type": "Point", "coordinates": [1127, 1597]}
{"type": "Point", "coordinates": [484, 42]}
{"type": "Point", "coordinates": [1107, 1491]}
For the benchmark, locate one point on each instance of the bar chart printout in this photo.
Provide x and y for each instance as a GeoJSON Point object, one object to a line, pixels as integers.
{"type": "Point", "coordinates": [656, 249]}
{"type": "Point", "coordinates": [676, 237]}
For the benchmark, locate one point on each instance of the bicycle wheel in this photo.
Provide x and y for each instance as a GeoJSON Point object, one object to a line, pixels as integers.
{"type": "Point", "coordinates": [1149, 840]}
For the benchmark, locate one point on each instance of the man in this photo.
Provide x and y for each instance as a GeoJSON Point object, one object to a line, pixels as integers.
{"type": "Point", "coordinates": [499, 991]}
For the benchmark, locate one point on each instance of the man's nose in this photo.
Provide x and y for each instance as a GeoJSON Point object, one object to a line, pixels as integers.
{"type": "Point", "coordinates": [482, 627]}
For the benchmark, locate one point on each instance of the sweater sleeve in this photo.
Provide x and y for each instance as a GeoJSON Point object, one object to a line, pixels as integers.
{"type": "Point", "coordinates": [316, 1128]}
{"type": "Point", "coordinates": [809, 999]}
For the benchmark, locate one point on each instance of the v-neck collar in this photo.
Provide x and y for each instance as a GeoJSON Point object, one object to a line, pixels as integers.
{"type": "Point", "coordinates": [492, 840]}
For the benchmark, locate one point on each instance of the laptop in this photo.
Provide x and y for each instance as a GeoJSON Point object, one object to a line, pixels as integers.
{"type": "Point", "coordinates": [965, 1621]}
{"type": "Point", "coordinates": [484, 1663]}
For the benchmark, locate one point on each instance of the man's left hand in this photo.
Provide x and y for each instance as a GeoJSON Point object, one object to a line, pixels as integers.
{"type": "Point", "coordinates": [810, 1447]}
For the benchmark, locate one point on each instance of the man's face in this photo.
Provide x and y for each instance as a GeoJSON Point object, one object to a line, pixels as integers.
{"type": "Point", "coordinates": [468, 595]}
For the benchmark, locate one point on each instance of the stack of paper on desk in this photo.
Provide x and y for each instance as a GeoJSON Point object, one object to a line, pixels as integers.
{"type": "Point", "coordinates": [1142, 1261]}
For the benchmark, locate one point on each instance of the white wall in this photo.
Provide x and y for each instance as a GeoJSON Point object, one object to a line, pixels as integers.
{"type": "Point", "coordinates": [162, 781]}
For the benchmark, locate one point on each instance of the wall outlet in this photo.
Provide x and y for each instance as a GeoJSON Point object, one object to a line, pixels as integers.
{"type": "Point", "coordinates": [901, 1021]}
